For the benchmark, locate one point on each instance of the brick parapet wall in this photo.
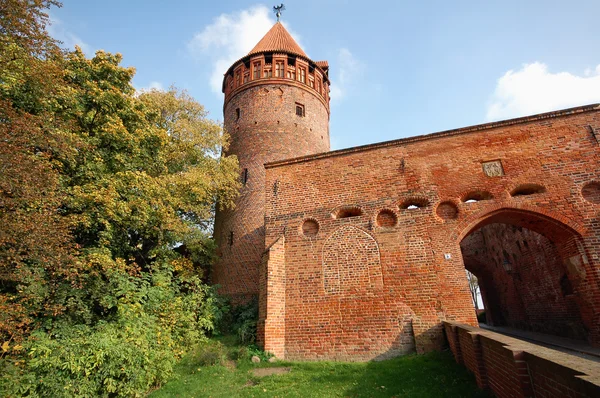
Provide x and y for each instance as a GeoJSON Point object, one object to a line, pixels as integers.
{"type": "Point", "coordinates": [241, 76]}
{"type": "Point", "coordinates": [514, 368]}
{"type": "Point", "coordinates": [422, 273]}
{"type": "Point", "coordinates": [470, 348]}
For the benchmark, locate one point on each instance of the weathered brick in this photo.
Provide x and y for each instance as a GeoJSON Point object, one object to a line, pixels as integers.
{"type": "Point", "coordinates": [366, 247]}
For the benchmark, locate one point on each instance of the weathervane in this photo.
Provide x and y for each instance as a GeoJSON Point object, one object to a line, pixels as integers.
{"type": "Point", "coordinates": [277, 10]}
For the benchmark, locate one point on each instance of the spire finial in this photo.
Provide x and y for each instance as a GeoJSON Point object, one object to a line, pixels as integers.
{"type": "Point", "coordinates": [277, 10]}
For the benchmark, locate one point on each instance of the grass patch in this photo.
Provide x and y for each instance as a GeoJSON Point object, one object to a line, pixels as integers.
{"type": "Point", "coordinates": [432, 375]}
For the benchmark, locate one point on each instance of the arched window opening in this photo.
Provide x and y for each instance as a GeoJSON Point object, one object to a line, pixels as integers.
{"type": "Point", "coordinates": [476, 196]}
{"type": "Point", "coordinates": [256, 73]}
{"type": "Point", "coordinates": [527, 189]}
{"type": "Point", "coordinates": [414, 203]}
{"type": "Point", "coordinates": [347, 212]}
{"type": "Point", "coordinates": [279, 69]}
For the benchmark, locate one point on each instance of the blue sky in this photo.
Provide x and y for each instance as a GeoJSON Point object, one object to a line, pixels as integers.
{"type": "Point", "coordinates": [398, 68]}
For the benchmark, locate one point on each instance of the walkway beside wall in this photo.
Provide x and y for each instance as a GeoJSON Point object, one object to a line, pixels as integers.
{"type": "Point", "coordinates": [510, 367]}
{"type": "Point", "coordinates": [555, 342]}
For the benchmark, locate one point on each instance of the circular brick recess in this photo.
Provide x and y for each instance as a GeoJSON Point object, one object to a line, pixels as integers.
{"type": "Point", "coordinates": [386, 218]}
{"type": "Point", "coordinates": [447, 211]}
{"type": "Point", "coordinates": [310, 228]}
{"type": "Point", "coordinates": [591, 192]}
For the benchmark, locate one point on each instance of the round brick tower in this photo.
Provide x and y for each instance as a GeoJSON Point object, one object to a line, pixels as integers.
{"type": "Point", "coordinates": [276, 107]}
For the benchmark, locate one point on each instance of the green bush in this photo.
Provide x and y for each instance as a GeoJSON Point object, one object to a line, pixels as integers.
{"type": "Point", "coordinates": [209, 354]}
{"type": "Point", "coordinates": [157, 316]}
{"type": "Point", "coordinates": [239, 320]}
{"type": "Point", "coordinates": [245, 318]}
{"type": "Point", "coordinates": [253, 350]}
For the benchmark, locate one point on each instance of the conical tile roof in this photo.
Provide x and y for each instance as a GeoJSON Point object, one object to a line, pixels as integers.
{"type": "Point", "coordinates": [278, 39]}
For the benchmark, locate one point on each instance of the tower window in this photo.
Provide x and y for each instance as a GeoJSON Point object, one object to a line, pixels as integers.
{"type": "Point", "coordinates": [268, 72]}
{"type": "Point", "coordinates": [245, 176]}
{"type": "Point", "coordinates": [230, 238]}
{"type": "Point", "coordinates": [246, 77]}
{"type": "Point", "coordinates": [237, 114]}
{"type": "Point", "coordinates": [238, 78]}
{"type": "Point", "coordinates": [279, 69]}
{"type": "Point", "coordinates": [256, 70]}
{"type": "Point", "coordinates": [299, 109]}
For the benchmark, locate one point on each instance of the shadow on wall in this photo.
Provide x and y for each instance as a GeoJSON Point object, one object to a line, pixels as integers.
{"type": "Point", "coordinates": [415, 339]}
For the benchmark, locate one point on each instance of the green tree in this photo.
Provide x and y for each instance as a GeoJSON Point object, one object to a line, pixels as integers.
{"type": "Point", "coordinates": [98, 186]}
{"type": "Point", "coordinates": [35, 246]}
{"type": "Point", "coordinates": [149, 170]}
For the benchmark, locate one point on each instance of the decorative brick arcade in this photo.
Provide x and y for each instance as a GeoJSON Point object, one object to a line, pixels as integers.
{"type": "Point", "coordinates": [360, 253]}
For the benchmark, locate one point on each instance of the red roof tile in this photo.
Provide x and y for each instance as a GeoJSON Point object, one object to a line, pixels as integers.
{"type": "Point", "coordinates": [278, 39]}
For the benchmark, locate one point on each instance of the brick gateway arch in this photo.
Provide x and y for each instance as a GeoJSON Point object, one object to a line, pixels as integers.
{"type": "Point", "coordinates": [533, 271]}
{"type": "Point", "coordinates": [423, 203]}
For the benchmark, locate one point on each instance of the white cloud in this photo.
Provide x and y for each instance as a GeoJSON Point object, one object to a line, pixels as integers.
{"type": "Point", "coordinates": [58, 30]}
{"type": "Point", "coordinates": [230, 37]}
{"type": "Point", "coordinates": [348, 71]}
{"type": "Point", "coordinates": [153, 85]}
{"type": "Point", "coordinates": [533, 89]}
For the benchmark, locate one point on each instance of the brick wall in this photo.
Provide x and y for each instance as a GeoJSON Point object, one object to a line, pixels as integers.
{"type": "Point", "coordinates": [470, 348]}
{"type": "Point", "coordinates": [525, 283]}
{"type": "Point", "coordinates": [266, 130]}
{"type": "Point", "coordinates": [514, 368]}
{"type": "Point", "coordinates": [373, 261]}
{"type": "Point", "coordinates": [271, 328]}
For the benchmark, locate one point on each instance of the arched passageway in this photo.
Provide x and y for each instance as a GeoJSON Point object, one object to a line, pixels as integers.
{"type": "Point", "coordinates": [530, 270]}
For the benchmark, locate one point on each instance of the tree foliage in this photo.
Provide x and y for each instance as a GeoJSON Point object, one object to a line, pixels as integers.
{"type": "Point", "coordinates": [35, 246]}
{"type": "Point", "coordinates": [98, 186]}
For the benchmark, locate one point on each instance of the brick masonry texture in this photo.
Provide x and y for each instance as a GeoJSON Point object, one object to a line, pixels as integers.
{"type": "Point", "coordinates": [513, 368]}
{"type": "Point", "coordinates": [264, 127]}
{"type": "Point", "coordinates": [361, 253]}
{"type": "Point", "coordinates": [526, 285]}
{"type": "Point", "coordinates": [365, 258]}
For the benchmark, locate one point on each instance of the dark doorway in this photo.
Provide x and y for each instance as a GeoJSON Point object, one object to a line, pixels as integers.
{"type": "Point", "coordinates": [529, 268]}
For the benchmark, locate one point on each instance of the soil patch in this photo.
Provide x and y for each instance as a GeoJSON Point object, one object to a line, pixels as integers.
{"type": "Point", "coordinates": [262, 372]}
{"type": "Point", "coordinates": [250, 383]}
